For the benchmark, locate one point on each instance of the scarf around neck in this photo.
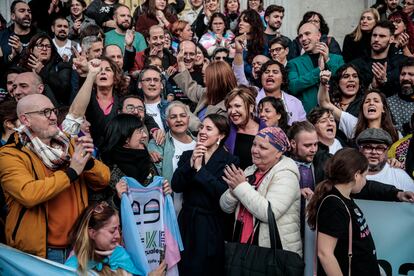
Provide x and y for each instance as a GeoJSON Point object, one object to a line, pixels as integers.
{"type": "Point", "coordinates": [54, 156]}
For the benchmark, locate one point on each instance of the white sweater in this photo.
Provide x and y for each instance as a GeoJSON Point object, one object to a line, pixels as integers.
{"type": "Point", "coordinates": [280, 187]}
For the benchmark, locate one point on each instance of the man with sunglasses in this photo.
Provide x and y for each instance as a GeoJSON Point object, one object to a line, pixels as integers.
{"type": "Point", "coordinates": [45, 176]}
{"type": "Point", "coordinates": [374, 144]}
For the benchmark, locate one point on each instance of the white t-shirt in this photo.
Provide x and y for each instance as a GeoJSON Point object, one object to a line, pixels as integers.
{"type": "Point", "coordinates": [66, 50]}
{"type": "Point", "coordinates": [394, 176]}
{"type": "Point", "coordinates": [153, 111]}
{"type": "Point", "coordinates": [179, 149]}
{"type": "Point", "coordinates": [335, 146]}
{"type": "Point", "coordinates": [347, 124]}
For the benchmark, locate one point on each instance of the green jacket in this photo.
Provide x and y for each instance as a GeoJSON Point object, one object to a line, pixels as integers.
{"type": "Point", "coordinates": [304, 78]}
{"type": "Point", "coordinates": [165, 166]}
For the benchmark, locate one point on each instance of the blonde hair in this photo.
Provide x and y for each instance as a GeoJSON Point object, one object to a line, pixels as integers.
{"type": "Point", "coordinates": [83, 247]}
{"type": "Point", "coordinates": [357, 33]}
{"type": "Point", "coordinates": [248, 95]}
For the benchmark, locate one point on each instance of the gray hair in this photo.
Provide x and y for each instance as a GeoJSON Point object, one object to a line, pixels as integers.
{"type": "Point", "coordinates": [177, 104]}
{"type": "Point", "coordinates": [87, 42]}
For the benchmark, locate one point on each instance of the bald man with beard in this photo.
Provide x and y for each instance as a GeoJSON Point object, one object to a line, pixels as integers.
{"type": "Point", "coordinates": [44, 175]}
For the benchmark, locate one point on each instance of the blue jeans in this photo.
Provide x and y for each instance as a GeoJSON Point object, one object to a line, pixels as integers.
{"type": "Point", "coordinates": [58, 255]}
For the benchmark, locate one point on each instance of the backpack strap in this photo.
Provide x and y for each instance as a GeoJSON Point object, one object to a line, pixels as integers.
{"type": "Point", "coordinates": [315, 258]}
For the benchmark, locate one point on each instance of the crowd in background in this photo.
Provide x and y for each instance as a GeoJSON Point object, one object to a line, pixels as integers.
{"type": "Point", "coordinates": [232, 113]}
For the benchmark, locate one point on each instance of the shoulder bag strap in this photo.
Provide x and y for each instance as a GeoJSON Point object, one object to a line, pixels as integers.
{"type": "Point", "coordinates": [315, 257]}
{"type": "Point", "coordinates": [275, 241]}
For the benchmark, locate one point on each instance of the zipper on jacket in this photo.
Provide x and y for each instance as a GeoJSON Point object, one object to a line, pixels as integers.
{"type": "Point", "coordinates": [19, 219]}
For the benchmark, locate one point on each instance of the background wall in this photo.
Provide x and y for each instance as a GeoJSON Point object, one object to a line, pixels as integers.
{"type": "Point", "coordinates": [341, 15]}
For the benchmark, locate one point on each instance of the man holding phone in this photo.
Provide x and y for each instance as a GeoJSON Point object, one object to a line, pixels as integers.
{"type": "Point", "coordinates": [304, 70]}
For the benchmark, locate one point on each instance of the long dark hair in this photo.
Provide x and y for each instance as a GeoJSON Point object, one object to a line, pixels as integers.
{"type": "Point", "coordinates": [118, 130]}
{"type": "Point", "coordinates": [386, 119]}
{"type": "Point", "coordinates": [256, 44]}
{"type": "Point", "coordinates": [340, 169]}
{"type": "Point", "coordinates": [280, 109]}
{"type": "Point", "coordinates": [336, 93]}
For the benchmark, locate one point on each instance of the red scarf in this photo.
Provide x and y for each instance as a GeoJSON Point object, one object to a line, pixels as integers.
{"type": "Point", "coordinates": [245, 216]}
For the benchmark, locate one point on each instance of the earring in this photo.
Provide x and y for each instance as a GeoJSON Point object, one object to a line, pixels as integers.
{"type": "Point", "coordinates": [218, 142]}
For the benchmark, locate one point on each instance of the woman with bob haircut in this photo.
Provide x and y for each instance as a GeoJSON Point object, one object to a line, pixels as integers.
{"type": "Point", "coordinates": [124, 150]}
{"type": "Point", "coordinates": [219, 80]}
{"type": "Point", "coordinates": [199, 178]}
{"type": "Point", "coordinates": [358, 43]}
{"type": "Point", "coordinates": [96, 244]}
{"type": "Point", "coordinates": [241, 109]}
{"type": "Point", "coordinates": [332, 212]}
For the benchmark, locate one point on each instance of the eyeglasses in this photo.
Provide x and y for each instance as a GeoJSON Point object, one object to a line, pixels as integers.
{"type": "Point", "coordinates": [314, 21]}
{"type": "Point", "coordinates": [149, 80]}
{"type": "Point", "coordinates": [43, 46]}
{"type": "Point", "coordinates": [217, 58]}
{"type": "Point", "coordinates": [370, 148]}
{"type": "Point", "coordinates": [47, 112]}
{"type": "Point", "coordinates": [132, 108]}
{"type": "Point", "coordinates": [276, 50]}
{"type": "Point", "coordinates": [141, 130]}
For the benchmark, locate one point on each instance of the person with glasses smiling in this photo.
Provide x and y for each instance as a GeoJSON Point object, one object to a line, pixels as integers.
{"type": "Point", "coordinates": [374, 144]}
{"type": "Point", "coordinates": [42, 58]}
{"type": "Point", "coordinates": [45, 176]}
{"type": "Point", "coordinates": [279, 49]}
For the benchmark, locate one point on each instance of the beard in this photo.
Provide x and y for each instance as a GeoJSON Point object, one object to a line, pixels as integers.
{"type": "Point", "coordinates": [61, 36]}
{"type": "Point", "coordinates": [24, 22]}
{"type": "Point", "coordinates": [407, 90]}
{"type": "Point", "coordinates": [274, 28]}
{"type": "Point", "coordinates": [377, 167]}
{"type": "Point", "coordinates": [124, 26]}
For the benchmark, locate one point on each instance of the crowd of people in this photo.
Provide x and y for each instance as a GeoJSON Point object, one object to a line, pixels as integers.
{"type": "Point", "coordinates": [232, 113]}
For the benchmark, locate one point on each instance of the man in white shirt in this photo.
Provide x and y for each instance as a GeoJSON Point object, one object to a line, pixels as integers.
{"type": "Point", "coordinates": [60, 28]}
{"type": "Point", "coordinates": [374, 144]}
{"type": "Point", "coordinates": [150, 81]}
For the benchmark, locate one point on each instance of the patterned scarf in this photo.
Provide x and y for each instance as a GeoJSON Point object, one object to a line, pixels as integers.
{"type": "Point", "coordinates": [53, 156]}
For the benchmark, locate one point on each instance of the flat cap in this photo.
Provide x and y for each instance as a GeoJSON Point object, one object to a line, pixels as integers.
{"type": "Point", "coordinates": [374, 135]}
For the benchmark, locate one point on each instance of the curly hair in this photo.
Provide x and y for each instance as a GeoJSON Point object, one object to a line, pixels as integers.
{"type": "Point", "coordinates": [409, 26]}
{"type": "Point", "coordinates": [336, 93]}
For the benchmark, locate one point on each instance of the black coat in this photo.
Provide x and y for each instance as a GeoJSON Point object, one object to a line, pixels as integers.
{"type": "Point", "coordinates": [201, 220]}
